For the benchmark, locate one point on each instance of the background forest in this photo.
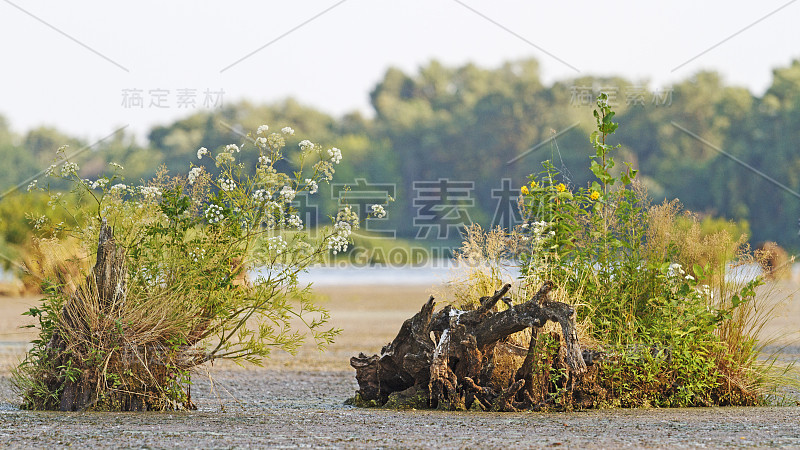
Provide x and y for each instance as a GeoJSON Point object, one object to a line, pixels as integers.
{"type": "Point", "coordinates": [452, 145]}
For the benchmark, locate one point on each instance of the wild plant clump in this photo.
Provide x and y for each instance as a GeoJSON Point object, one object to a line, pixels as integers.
{"type": "Point", "coordinates": [182, 247]}
{"type": "Point", "coordinates": [655, 301]}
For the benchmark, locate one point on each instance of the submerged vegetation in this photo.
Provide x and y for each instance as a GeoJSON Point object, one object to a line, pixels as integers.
{"type": "Point", "coordinates": [170, 289]}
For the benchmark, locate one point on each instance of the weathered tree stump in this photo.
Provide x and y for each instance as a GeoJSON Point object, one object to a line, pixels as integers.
{"type": "Point", "coordinates": [81, 381]}
{"type": "Point", "coordinates": [456, 359]}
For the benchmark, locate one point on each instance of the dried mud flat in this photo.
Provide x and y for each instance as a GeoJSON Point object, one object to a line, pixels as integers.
{"type": "Point", "coordinates": [298, 402]}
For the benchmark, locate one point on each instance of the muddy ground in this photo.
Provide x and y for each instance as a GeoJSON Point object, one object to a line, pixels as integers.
{"type": "Point", "coordinates": [298, 402]}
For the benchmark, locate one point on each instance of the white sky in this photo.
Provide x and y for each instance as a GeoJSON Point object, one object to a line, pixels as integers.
{"type": "Point", "coordinates": [55, 75]}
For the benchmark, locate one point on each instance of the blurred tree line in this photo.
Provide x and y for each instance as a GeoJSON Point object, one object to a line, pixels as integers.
{"type": "Point", "coordinates": [454, 144]}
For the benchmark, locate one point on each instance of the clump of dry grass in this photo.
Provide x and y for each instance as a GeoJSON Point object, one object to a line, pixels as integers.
{"type": "Point", "coordinates": [482, 266]}
{"type": "Point", "coordinates": [729, 269]}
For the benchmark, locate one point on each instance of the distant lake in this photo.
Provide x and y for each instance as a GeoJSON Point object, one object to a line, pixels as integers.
{"type": "Point", "coordinates": [438, 272]}
{"type": "Point", "coordinates": [434, 273]}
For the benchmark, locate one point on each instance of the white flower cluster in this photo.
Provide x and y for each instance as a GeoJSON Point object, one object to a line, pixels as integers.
{"type": "Point", "coordinates": [262, 129]}
{"type": "Point", "coordinates": [41, 220]}
{"type": "Point", "coordinates": [378, 211]}
{"type": "Point", "coordinates": [306, 145]}
{"type": "Point", "coordinates": [264, 160]}
{"type": "Point", "coordinates": [100, 183]}
{"type": "Point", "coordinates": [194, 173]}
{"type": "Point", "coordinates": [227, 184]}
{"type": "Point", "coordinates": [289, 131]}
{"type": "Point", "coordinates": [312, 186]}
{"type": "Point", "coordinates": [335, 154]}
{"type": "Point", "coordinates": [326, 169]}
{"type": "Point", "coordinates": [287, 193]}
{"type": "Point", "coordinates": [341, 237]}
{"type": "Point", "coordinates": [675, 270]}
{"type": "Point", "coordinates": [116, 166]}
{"type": "Point", "coordinates": [276, 141]}
{"type": "Point", "coordinates": [54, 200]}
{"type": "Point", "coordinates": [197, 253]}
{"type": "Point", "coordinates": [260, 195]}
{"type": "Point", "coordinates": [69, 168]}
{"type": "Point", "coordinates": [232, 148]}
{"type": "Point", "coordinates": [49, 171]}
{"type": "Point", "coordinates": [202, 151]}
{"type": "Point", "coordinates": [295, 221]}
{"type": "Point", "coordinates": [32, 185]}
{"type": "Point", "coordinates": [277, 244]}
{"type": "Point", "coordinates": [261, 142]}
{"type": "Point", "coordinates": [225, 157]}
{"type": "Point", "coordinates": [119, 187]}
{"type": "Point", "coordinates": [214, 213]}
{"type": "Point", "coordinates": [150, 192]}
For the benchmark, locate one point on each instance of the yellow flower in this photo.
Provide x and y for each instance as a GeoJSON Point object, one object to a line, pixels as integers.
{"type": "Point", "coordinates": [534, 184]}
{"type": "Point", "coordinates": [561, 187]}
{"type": "Point", "coordinates": [525, 190]}
{"type": "Point", "coordinates": [595, 195]}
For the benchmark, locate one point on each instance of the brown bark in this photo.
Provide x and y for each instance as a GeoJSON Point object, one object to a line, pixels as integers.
{"type": "Point", "coordinates": [469, 360]}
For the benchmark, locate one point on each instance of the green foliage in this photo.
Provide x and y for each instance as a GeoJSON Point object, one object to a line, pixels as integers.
{"type": "Point", "coordinates": [675, 335]}
{"type": "Point", "coordinates": [190, 243]}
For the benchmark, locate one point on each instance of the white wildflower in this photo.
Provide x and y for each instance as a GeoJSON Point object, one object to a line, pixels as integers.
{"type": "Point", "coordinates": [194, 173]}
{"type": "Point", "coordinates": [116, 166]}
{"type": "Point", "coordinates": [262, 129]}
{"type": "Point", "coordinates": [689, 278]}
{"type": "Point", "coordinates": [54, 199]}
{"type": "Point", "coordinates": [276, 141]}
{"type": "Point", "coordinates": [232, 148]}
{"type": "Point", "coordinates": [227, 184]}
{"type": "Point", "coordinates": [100, 183]}
{"type": "Point", "coordinates": [202, 151]}
{"type": "Point", "coordinates": [150, 192]}
{"type": "Point", "coordinates": [50, 170]}
{"type": "Point", "coordinates": [119, 187]}
{"type": "Point", "coordinates": [225, 157]}
{"type": "Point", "coordinates": [287, 131]}
{"type": "Point", "coordinates": [32, 185]}
{"type": "Point", "coordinates": [277, 244]}
{"type": "Point", "coordinates": [262, 141]}
{"type": "Point", "coordinates": [378, 211]}
{"type": "Point", "coordinates": [312, 186]}
{"type": "Point", "coordinates": [197, 253]}
{"type": "Point", "coordinates": [214, 213]}
{"type": "Point", "coordinates": [287, 193]}
{"type": "Point", "coordinates": [260, 195]}
{"type": "Point", "coordinates": [335, 154]}
{"type": "Point", "coordinates": [264, 160]}
{"type": "Point", "coordinates": [341, 237]}
{"type": "Point", "coordinates": [326, 169]}
{"type": "Point", "coordinates": [306, 145]}
{"type": "Point", "coordinates": [675, 270]}
{"type": "Point", "coordinates": [295, 221]}
{"type": "Point", "coordinates": [69, 168]}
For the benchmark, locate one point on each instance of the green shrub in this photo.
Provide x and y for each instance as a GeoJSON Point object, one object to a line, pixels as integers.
{"type": "Point", "coordinates": [650, 289]}
{"type": "Point", "coordinates": [189, 242]}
